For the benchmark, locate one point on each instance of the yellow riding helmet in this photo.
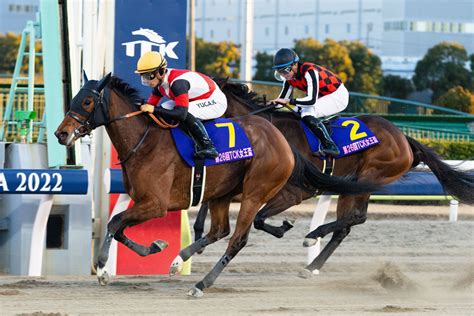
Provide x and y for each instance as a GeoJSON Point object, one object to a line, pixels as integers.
{"type": "Point", "coordinates": [150, 61]}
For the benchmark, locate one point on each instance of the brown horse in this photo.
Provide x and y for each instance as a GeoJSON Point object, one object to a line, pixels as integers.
{"type": "Point", "coordinates": [383, 164]}
{"type": "Point", "coordinates": [158, 180]}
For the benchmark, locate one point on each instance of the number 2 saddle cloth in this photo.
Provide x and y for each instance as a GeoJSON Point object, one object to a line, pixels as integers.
{"type": "Point", "coordinates": [350, 135]}
{"type": "Point", "coordinates": [229, 138]}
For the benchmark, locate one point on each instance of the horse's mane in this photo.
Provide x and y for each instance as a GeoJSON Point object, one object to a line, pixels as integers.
{"type": "Point", "coordinates": [132, 94]}
{"type": "Point", "coordinates": [248, 97]}
{"type": "Point", "coordinates": [241, 91]}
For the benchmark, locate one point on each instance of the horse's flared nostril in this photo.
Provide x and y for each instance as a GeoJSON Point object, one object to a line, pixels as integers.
{"type": "Point", "coordinates": [61, 136]}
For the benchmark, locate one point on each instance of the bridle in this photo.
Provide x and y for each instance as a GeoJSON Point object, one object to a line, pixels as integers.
{"type": "Point", "coordinates": [99, 116]}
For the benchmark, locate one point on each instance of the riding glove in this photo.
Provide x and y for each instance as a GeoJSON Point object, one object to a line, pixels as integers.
{"type": "Point", "coordinates": [147, 108]}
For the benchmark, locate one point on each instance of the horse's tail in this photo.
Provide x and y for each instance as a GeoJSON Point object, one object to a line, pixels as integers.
{"type": "Point", "coordinates": [456, 183]}
{"type": "Point", "coordinates": [308, 177]}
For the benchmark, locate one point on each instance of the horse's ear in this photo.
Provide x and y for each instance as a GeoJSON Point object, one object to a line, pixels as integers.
{"type": "Point", "coordinates": [224, 82]}
{"type": "Point", "coordinates": [84, 76]}
{"type": "Point", "coordinates": [102, 83]}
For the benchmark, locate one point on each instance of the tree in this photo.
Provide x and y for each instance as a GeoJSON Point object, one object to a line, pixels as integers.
{"type": "Point", "coordinates": [471, 60]}
{"type": "Point", "coordinates": [367, 76]}
{"type": "Point", "coordinates": [308, 49]}
{"type": "Point", "coordinates": [336, 58]}
{"type": "Point", "coordinates": [217, 59]}
{"type": "Point", "coordinates": [396, 86]}
{"type": "Point", "coordinates": [264, 67]}
{"type": "Point", "coordinates": [457, 98]}
{"type": "Point", "coordinates": [331, 55]}
{"type": "Point", "coordinates": [9, 44]}
{"type": "Point", "coordinates": [442, 68]}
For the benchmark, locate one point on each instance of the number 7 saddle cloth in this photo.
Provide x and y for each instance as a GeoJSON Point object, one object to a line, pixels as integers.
{"type": "Point", "coordinates": [229, 138]}
{"type": "Point", "coordinates": [350, 135]}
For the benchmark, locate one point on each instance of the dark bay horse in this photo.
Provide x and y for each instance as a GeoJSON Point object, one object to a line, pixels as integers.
{"type": "Point", "coordinates": [383, 164]}
{"type": "Point", "coordinates": [158, 180]}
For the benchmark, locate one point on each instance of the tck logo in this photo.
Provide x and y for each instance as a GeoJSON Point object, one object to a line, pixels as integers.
{"type": "Point", "coordinates": [154, 40]}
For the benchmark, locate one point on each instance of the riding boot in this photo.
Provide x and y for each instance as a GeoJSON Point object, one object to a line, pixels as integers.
{"type": "Point", "coordinates": [204, 147]}
{"type": "Point", "coordinates": [328, 147]}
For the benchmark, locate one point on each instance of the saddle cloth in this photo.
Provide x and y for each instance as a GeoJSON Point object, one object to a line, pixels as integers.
{"type": "Point", "coordinates": [229, 138]}
{"type": "Point", "coordinates": [350, 135]}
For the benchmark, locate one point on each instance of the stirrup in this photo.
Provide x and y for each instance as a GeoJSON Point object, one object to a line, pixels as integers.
{"type": "Point", "coordinates": [333, 153]}
{"type": "Point", "coordinates": [210, 153]}
{"type": "Point", "coordinates": [323, 152]}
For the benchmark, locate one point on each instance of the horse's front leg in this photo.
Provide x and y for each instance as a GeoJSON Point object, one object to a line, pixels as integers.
{"type": "Point", "coordinates": [135, 215]}
{"type": "Point", "coordinates": [237, 242]}
{"type": "Point", "coordinates": [220, 228]}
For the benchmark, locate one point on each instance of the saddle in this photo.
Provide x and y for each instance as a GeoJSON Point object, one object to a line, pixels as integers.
{"type": "Point", "coordinates": [350, 135]}
{"type": "Point", "coordinates": [228, 137]}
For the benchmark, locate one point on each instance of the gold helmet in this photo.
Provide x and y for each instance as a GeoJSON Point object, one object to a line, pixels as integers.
{"type": "Point", "coordinates": [150, 61]}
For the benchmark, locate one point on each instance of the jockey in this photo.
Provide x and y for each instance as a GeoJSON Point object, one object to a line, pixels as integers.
{"type": "Point", "coordinates": [325, 94]}
{"type": "Point", "coordinates": [193, 97]}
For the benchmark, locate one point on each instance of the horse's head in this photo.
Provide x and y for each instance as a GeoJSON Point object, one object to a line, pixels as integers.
{"type": "Point", "coordinates": [87, 111]}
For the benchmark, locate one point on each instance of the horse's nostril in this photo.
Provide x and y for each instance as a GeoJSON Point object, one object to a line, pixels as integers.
{"type": "Point", "coordinates": [61, 135]}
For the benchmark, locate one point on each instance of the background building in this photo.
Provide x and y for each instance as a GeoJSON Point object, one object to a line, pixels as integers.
{"type": "Point", "coordinates": [15, 13]}
{"type": "Point", "coordinates": [411, 27]}
{"type": "Point", "coordinates": [399, 31]}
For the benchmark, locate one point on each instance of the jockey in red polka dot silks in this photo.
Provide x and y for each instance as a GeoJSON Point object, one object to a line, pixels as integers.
{"type": "Point", "coordinates": [325, 94]}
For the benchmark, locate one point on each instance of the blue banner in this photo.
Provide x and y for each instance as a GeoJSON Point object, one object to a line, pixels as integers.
{"type": "Point", "coordinates": [113, 181]}
{"type": "Point", "coordinates": [39, 181]}
{"type": "Point", "coordinates": [144, 25]}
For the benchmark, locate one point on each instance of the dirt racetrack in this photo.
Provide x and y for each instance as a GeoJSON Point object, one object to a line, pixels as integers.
{"type": "Point", "coordinates": [405, 260]}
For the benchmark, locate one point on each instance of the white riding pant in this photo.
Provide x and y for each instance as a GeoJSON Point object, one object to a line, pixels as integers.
{"type": "Point", "coordinates": [328, 105]}
{"type": "Point", "coordinates": [205, 109]}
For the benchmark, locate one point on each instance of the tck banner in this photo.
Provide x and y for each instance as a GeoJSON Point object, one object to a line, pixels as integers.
{"type": "Point", "coordinates": [144, 25]}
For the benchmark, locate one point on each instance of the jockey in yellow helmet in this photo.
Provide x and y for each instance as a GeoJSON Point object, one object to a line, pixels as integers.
{"type": "Point", "coordinates": [192, 97]}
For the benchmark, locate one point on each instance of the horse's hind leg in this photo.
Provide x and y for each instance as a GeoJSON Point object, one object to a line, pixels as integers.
{"type": "Point", "coordinates": [351, 210]}
{"type": "Point", "coordinates": [289, 196]}
{"type": "Point", "coordinates": [220, 228]}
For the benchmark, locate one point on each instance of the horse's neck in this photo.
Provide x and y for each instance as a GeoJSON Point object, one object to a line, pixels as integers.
{"type": "Point", "coordinates": [125, 134]}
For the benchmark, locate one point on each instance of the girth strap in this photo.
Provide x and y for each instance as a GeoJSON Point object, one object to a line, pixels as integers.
{"type": "Point", "coordinates": [328, 165]}
{"type": "Point", "coordinates": [198, 182]}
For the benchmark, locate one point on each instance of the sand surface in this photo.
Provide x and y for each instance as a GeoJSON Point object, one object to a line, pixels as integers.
{"type": "Point", "coordinates": [405, 260]}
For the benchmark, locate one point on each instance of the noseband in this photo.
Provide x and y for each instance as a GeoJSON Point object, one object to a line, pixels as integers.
{"type": "Point", "coordinates": [86, 126]}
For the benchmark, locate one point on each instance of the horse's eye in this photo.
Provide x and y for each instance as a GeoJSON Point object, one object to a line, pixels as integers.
{"type": "Point", "coordinates": [87, 102]}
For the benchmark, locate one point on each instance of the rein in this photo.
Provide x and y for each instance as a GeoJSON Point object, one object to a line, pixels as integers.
{"type": "Point", "coordinates": [159, 121]}
{"type": "Point", "coordinates": [135, 148]}
{"type": "Point", "coordinates": [86, 126]}
{"type": "Point", "coordinates": [263, 109]}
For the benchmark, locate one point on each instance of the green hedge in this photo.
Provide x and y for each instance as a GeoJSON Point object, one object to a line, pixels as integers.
{"type": "Point", "coordinates": [451, 150]}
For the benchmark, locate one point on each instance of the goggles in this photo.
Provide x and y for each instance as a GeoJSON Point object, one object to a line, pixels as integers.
{"type": "Point", "coordinates": [149, 75]}
{"type": "Point", "coordinates": [152, 74]}
{"type": "Point", "coordinates": [285, 70]}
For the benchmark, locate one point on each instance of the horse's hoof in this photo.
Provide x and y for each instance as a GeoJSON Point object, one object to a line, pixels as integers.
{"type": "Point", "coordinates": [195, 292]}
{"type": "Point", "coordinates": [103, 277]}
{"type": "Point", "coordinates": [176, 265]}
{"type": "Point", "coordinates": [201, 251]}
{"type": "Point", "coordinates": [308, 242]}
{"type": "Point", "coordinates": [157, 246]}
{"type": "Point", "coordinates": [305, 274]}
{"type": "Point", "coordinates": [290, 223]}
